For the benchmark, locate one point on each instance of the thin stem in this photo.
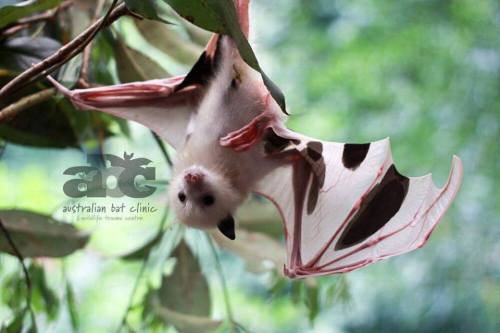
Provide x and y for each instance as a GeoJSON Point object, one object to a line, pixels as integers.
{"type": "Point", "coordinates": [64, 54]}
{"type": "Point", "coordinates": [132, 295]}
{"type": "Point", "coordinates": [163, 148]}
{"type": "Point", "coordinates": [139, 277]}
{"type": "Point", "coordinates": [222, 279]}
{"type": "Point", "coordinates": [24, 103]}
{"type": "Point", "coordinates": [20, 257]}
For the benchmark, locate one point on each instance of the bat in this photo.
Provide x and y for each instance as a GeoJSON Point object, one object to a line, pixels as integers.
{"type": "Point", "coordinates": [343, 205]}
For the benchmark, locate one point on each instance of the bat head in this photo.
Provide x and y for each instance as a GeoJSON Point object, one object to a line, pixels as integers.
{"type": "Point", "coordinates": [203, 198]}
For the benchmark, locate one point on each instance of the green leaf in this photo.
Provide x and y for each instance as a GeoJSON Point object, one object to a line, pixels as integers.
{"type": "Point", "coordinates": [22, 52]}
{"type": "Point", "coordinates": [186, 289]}
{"type": "Point", "coordinates": [49, 301]}
{"type": "Point", "coordinates": [72, 308]}
{"type": "Point", "coordinates": [170, 41]}
{"type": "Point", "coordinates": [312, 302]}
{"type": "Point", "coordinates": [16, 325]}
{"type": "Point", "coordinates": [133, 65]}
{"type": "Point", "coordinates": [260, 251]}
{"type": "Point", "coordinates": [220, 16]}
{"type": "Point", "coordinates": [185, 323]}
{"type": "Point", "coordinates": [37, 235]}
{"type": "Point", "coordinates": [150, 9]}
{"type": "Point", "coordinates": [144, 250]}
{"type": "Point", "coordinates": [11, 13]}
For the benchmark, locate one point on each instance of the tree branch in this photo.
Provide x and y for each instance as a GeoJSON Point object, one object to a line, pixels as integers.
{"type": "Point", "coordinates": [24, 103]}
{"type": "Point", "coordinates": [64, 54]}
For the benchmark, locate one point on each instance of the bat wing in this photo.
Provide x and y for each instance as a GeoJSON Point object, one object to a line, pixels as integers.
{"type": "Point", "coordinates": [166, 106]}
{"type": "Point", "coordinates": [345, 206]}
{"type": "Point", "coordinates": [156, 104]}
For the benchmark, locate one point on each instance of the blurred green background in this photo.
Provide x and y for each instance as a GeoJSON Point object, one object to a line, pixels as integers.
{"type": "Point", "coordinates": [426, 73]}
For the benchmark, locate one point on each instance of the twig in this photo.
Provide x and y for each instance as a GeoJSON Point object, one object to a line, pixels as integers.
{"type": "Point", "coordinates": [222, 279]}
{"type": "Point", "coordinates": [64, 54]}
{"type": "Point", "coordinates": [20, 257]}
{"type": "Point", "coordinates": [24, 103]}
{"type": "Point", "coordinates": [163, 149]}
{"type": "Point", "coordinates": [83, 81]}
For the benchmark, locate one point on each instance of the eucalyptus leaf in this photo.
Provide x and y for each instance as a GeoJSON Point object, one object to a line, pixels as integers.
{"type": "Point", "coordinates": [186, 289]}
{"type": "Point", "coordinates": [43, 125]}
{"type": "Point", "coordinates": [22, 52]}
{"type": "Point", "coordinates": [133, 65]}
{"type": "Point", "coordinates": [150, 9]}
{"type": "Point", "coordinates": [185, 323]}
{"type": "Point", "coordinates": [167, 39]}
{"type": "Point", "coordinates": [259, 251]}
{"type": "Point", "coordinates": [37, 235]}
{"type": "Point", "coordinates": [220, 16]}
{"type": "Point", "coordinates": [72, 307]}
{"type": "Point", "coordinates": [13, 12]}
{"type": "Point", "coordinates": [144, 250]}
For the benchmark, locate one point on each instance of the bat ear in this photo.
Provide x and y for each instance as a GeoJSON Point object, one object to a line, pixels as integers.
{"type": "Point", "coordinates": [226, 226]}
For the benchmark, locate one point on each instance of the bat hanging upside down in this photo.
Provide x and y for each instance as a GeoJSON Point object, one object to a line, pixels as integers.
{"type": "Point", "coordinates": [343, 205]}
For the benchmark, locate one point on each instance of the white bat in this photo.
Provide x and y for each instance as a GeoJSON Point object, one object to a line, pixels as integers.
{"type": "Point", "coordinates": [343, 205]}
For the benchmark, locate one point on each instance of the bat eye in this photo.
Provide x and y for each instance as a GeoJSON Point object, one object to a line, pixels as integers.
{"type": "Point", "coordinates": [181, 196]}
{"type": "Point", "coordinates": [208, 200]}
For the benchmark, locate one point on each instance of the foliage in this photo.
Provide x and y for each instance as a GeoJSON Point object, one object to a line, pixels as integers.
{"type": "Point", "coordinates": [424, 72]}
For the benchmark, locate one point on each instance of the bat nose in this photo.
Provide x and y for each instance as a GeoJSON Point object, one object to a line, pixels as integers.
{"type": "Point", "coordinates": [193, 178]}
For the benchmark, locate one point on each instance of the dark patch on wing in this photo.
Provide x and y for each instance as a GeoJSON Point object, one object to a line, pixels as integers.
{"type": "Point", "coordinates": [315, 150]}
{"type": "Point", "coordinates": [312, 200]}
{"type": "Point", "coordinates": [379, 206]}
{"type": "Point", "coordinates": [204, 69]}
{"type": "Point", "coordinates": [273, 143]}
{"type": "Point", "coordinates": [354, 154]}
{"type": "Point", "coordinates": [313, 154]}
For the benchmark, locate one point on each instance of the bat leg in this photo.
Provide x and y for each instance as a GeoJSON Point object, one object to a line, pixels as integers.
{"type": "Point", "coordinates": [247, 136]}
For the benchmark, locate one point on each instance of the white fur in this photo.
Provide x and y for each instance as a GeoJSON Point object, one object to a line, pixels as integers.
{"type": "Point", "coordinates": [228, 175]}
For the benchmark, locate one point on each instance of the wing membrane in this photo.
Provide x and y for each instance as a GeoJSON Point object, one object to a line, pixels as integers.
{"type": "Point", "coordinates": [365, 210]}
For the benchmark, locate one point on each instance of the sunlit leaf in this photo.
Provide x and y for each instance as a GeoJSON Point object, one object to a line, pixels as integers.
{"type": "Point", "coordinates": [15, 326]}
{"type": "Point", "coordinates": [13, 12]}
{"type": "Point", "coordinates": [37, 235]}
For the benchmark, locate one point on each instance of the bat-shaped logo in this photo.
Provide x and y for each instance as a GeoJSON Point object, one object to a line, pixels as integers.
{"type": "Point", "coordinates": [92, 180]}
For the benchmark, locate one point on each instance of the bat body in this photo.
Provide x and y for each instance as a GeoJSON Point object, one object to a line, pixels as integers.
{"type": "Point", "coordinates": [343, 205]}
{"type": "Point", "coordinates": [205, 168]}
